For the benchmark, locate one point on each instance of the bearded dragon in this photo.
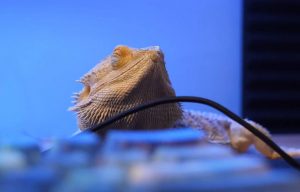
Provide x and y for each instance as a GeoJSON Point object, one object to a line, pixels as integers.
{"type": "Point", "coordinates": [130, 77]}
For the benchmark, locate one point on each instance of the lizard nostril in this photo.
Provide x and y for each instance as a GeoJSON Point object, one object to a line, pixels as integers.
{"type": "Point", "coordinates": [157, 56]}
{"type": "Point", "coordinates": [161, 55]}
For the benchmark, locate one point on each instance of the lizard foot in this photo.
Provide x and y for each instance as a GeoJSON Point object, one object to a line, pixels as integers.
{"type": "Point", "coordinates": [241, 139]}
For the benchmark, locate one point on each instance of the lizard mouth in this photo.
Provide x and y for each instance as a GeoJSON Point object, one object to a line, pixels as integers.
{"type": "Point", "coordinates": [78, 97]}
{"type": "Point", "coordinates": [85, 93]}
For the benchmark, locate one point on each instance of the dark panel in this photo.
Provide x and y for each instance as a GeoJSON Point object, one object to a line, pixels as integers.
{"type": "Point", "coordinates": [271, 63]}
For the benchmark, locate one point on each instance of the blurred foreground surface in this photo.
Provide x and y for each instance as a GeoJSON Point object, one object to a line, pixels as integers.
{"type": "Point", "coordinates": [167, 160]}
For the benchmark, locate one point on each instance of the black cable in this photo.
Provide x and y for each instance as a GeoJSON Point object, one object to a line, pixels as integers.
{"type": "Point", "coordinates": [290, 160]}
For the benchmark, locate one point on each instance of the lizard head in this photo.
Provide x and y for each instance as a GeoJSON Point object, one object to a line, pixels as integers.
{"type": "Point", "coordinates": [126, 78]}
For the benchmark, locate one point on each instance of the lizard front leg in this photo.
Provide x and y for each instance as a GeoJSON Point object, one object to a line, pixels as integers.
{"type": "Point", "coordinates": [241, 139]}
{"type": "Point", "coordinates": [220, 129]}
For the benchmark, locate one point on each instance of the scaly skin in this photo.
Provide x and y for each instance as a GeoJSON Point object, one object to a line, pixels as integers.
{"type": "Point", "coordinates": [130, 77]}
{"type": "Point", "coordinates": [220, 129]}
{"type": "Point", "coordinates": [127, 78]}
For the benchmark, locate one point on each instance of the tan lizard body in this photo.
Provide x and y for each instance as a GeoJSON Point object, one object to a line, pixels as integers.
{"type": "Point", "coordinates": [127, 78]}
{"type": "Point", "coordinates": [130, 77]}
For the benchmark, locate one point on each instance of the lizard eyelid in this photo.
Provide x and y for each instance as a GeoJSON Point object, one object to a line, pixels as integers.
{"type": "Point", "coordinates": [121, 51]}
{"type": "Point", "coordinates": [117, 52]}
{"type": "Point", "coordinates": [120, 56]}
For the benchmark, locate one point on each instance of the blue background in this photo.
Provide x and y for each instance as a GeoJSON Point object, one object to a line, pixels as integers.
{"type": "Point", "coordinates": [46, 45]}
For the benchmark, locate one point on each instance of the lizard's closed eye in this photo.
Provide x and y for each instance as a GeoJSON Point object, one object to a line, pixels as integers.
{"type": "Point", "coordinates": [120, 56]}
{"type": "Point", "coordinates": [121, 51]}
